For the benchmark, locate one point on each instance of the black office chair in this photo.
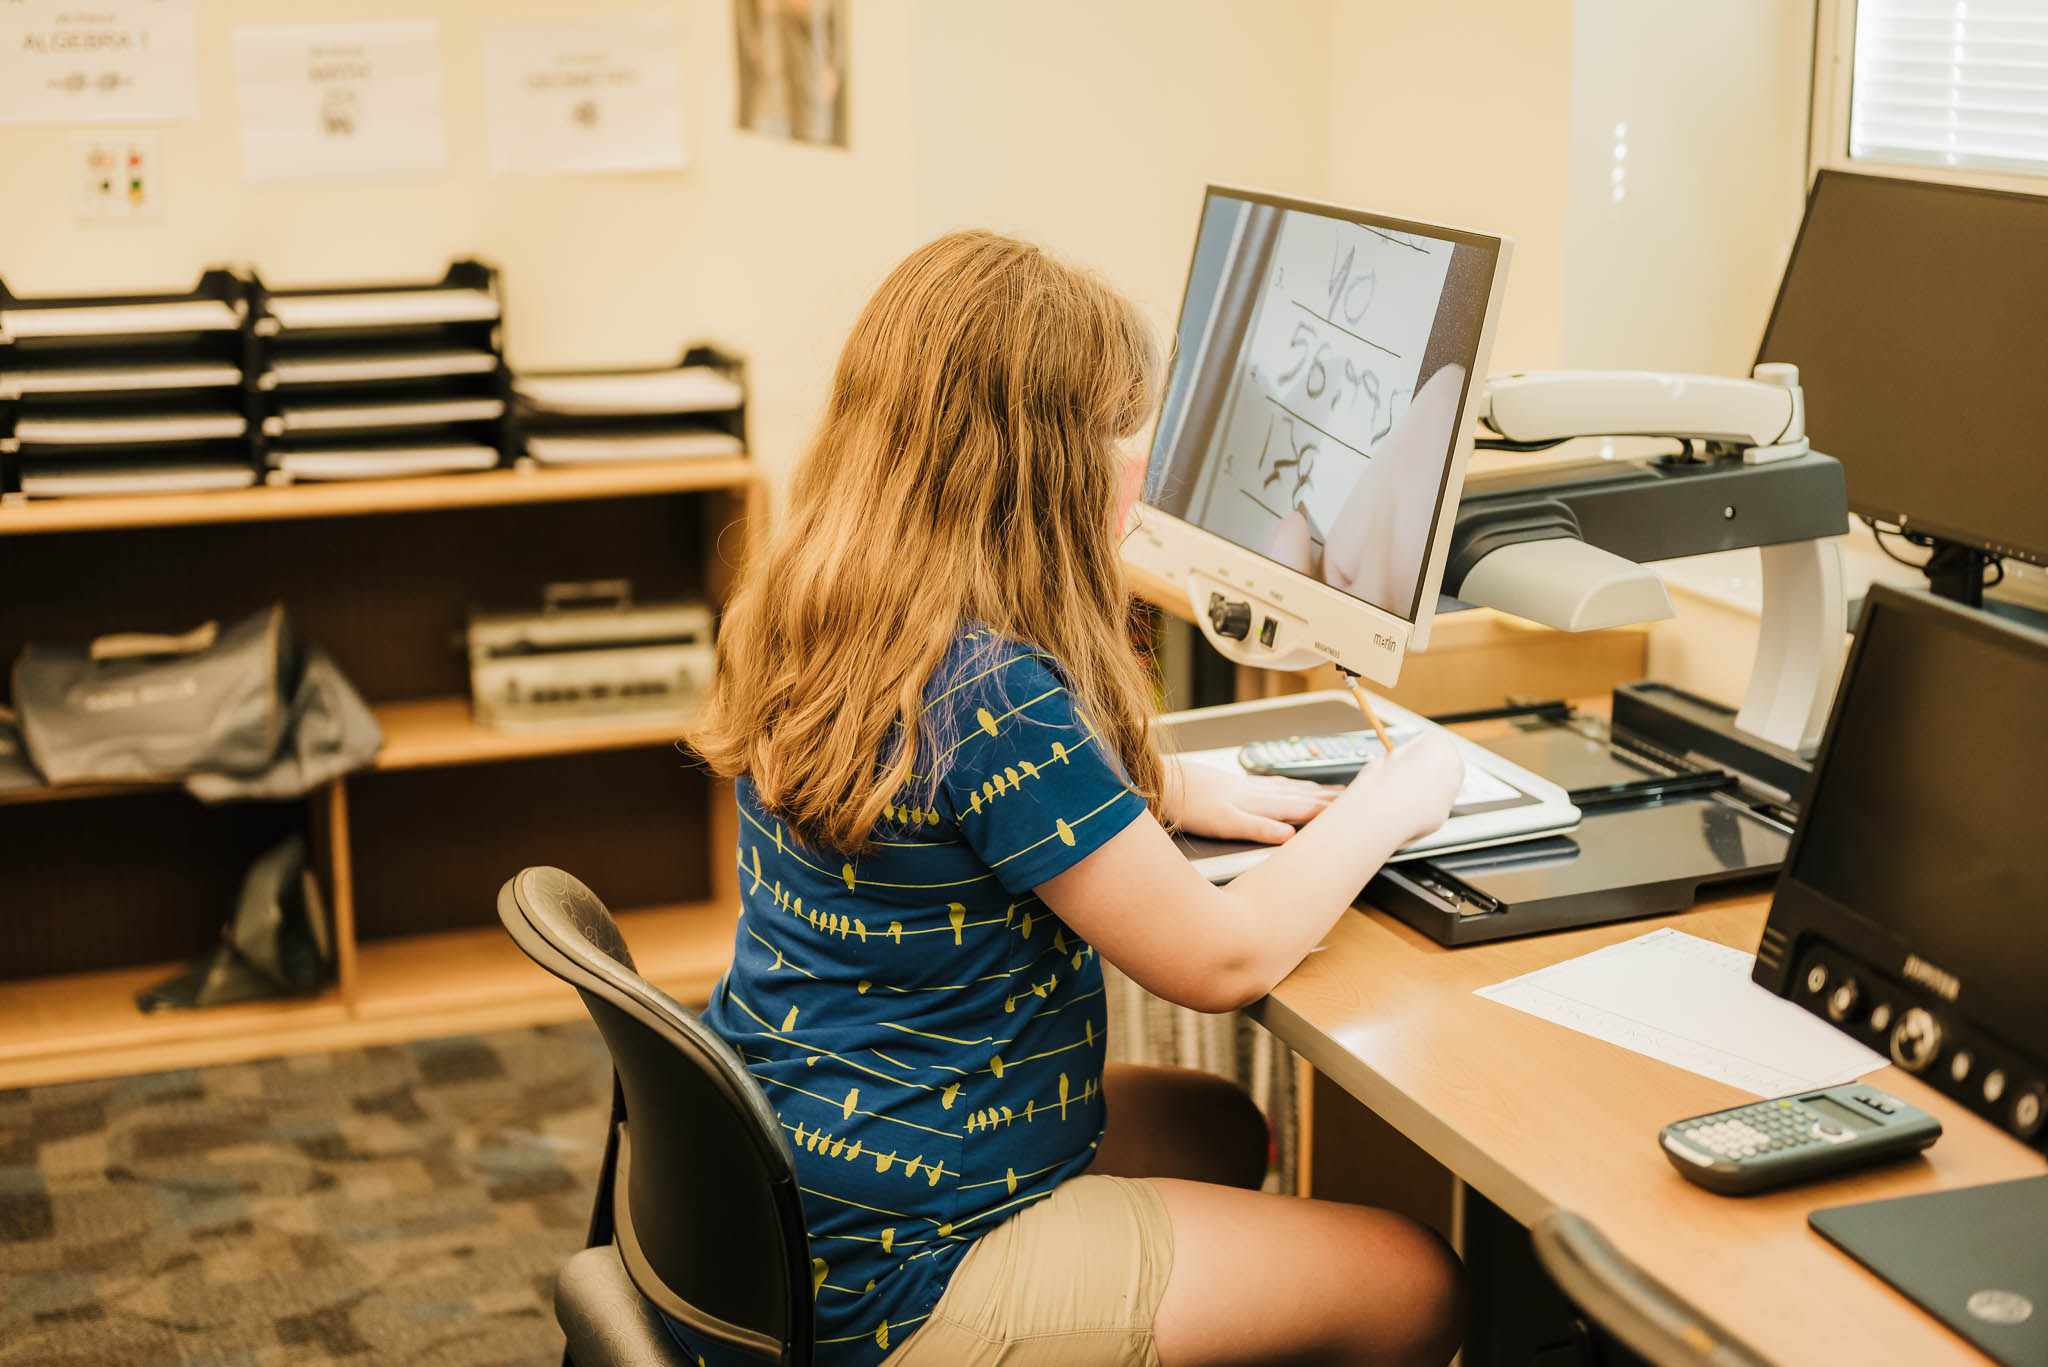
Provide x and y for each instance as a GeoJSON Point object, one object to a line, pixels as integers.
{"type": "Point", "coordinates": [1636, 1308]}
{"type": "Point", "coordinates": [697, 1210]}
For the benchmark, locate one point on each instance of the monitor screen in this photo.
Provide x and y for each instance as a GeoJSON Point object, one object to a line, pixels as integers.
{"type": "Point", "coordinates": [1914, 312]}
{"type": "Point", "coordinates": [1318, 387]}
{"type": "Point", "coordinates": [1928, 803]}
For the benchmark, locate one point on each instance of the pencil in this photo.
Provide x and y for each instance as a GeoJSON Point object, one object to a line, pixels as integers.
{"type": "Point", "coordinates": [1351, 682]}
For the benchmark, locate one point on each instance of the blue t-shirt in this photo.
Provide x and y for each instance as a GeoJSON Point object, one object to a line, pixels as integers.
{"type": "Point", "coordinates": [930, 1034]}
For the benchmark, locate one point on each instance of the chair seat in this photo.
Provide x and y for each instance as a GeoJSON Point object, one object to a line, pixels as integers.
{"type": "Point", "coordinates": [607, 1321]}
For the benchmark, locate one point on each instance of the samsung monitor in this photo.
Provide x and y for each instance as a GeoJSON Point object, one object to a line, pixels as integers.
{"type": "Point", "coordinates": [1912, 910]}
{"type": "Point", "coordinates": [1304, 474]}
{"type": "Point", "coordinates": [1915, 313]}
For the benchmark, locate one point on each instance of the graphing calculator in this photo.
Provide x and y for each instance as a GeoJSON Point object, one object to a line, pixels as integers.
{"type": "Point", "coordinates": [1798, 1138]}
{"type": "Point", "coordinates": [1320, 759]}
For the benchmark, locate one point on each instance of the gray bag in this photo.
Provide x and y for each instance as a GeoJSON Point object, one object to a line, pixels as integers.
{"type": "Point", "coordinates": [138, 708]}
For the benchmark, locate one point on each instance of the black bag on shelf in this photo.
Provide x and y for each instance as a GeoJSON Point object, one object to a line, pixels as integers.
{"type": "Point", "coordinates": [16, 772]}
{"type": "Point", "coordinates": [278, 943]}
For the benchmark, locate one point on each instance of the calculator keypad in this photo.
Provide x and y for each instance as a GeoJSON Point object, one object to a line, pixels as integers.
{"type": "Point", "coordinates": [1773, 1127]}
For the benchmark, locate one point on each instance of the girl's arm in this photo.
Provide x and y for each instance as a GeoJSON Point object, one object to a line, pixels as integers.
{"type": "Point", "coordinates": [1146, 910]}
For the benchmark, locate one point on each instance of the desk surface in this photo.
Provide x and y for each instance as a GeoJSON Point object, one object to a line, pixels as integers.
{"type": "Point", "coordinates": [1536, 1116]}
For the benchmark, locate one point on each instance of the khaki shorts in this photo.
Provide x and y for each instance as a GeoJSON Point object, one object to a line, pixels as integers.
{"type": "Point", "coordinates": [1074, 1280]}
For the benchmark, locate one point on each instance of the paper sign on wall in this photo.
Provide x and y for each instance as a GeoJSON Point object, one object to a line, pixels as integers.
{"type": "Point", "coordinates": [116, 61]}
{"type": "Point", "coordinates": [340, 101]}
{"type": "Point", "coordinates": [585, 98]}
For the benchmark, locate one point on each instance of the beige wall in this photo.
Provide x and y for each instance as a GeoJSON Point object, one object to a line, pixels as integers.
{"type": "Point", "coordinates": [1089, 126]}
{"type": "Point", "coordinates": [1094, 126]}
{"type": "Point", "coordinates": [1711, 100]}
{"type": "Point", "coordinates": [960, 113]}
{"type": "Point", "coordinates": [1459, 111]}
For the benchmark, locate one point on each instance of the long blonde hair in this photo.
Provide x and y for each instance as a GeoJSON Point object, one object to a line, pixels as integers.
{"type": "Point", "coordinates": [965, 473]}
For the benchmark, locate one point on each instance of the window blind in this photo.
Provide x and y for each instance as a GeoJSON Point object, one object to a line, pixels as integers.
{"type": "Point", "coordinates": [1953, 83]}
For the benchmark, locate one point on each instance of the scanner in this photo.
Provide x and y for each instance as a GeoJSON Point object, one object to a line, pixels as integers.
{"type": "Point", "coordinates": [1677, 792]}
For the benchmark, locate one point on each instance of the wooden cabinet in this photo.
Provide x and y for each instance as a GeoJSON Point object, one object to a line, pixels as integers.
{"type": "Point", "coordinates": [107, 889]}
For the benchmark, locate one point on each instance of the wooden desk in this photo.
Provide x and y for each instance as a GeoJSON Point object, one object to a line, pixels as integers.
{"type": "Point", "coordinates": [1535, 1116]}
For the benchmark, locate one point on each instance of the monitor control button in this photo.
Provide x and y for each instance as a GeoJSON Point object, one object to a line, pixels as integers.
{"type": "Point", "coordinates": [1230, 619]}
{"type": "Point", "coordinates": [1916, 1039]}
{"type": "Point", "coordinates": [1844, 1000]}
{"type": "Point", "coordinates": [1959, 1065]}
{"type": "Point", "coordinates": [1994, 1085]}
{"type": "Point", "coordinates": [2027, 1113]}
{"type": "Point", "coordinates": [1816, 978]}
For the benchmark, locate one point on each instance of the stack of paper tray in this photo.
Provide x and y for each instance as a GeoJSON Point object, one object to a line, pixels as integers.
{"type": "Point", "coordinates": [680, 412]}
{"type": "Point", "coordinates": [125, 393]}
{"type": "Point", "coordinates": [374, 382]}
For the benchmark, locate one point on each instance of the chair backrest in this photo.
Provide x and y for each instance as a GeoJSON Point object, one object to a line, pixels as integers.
{"type": "Point", "coordinates": [708, 1219]}
{"type": "Point", "coordinates": [1628, 1302]}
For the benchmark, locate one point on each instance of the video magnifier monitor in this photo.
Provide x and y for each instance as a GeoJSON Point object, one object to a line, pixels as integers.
{"type": "Point", "coordinates": [1313, 435]}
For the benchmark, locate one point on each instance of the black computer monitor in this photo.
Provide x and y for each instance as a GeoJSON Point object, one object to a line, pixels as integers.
{"type": "Point", "coordinates": [1917, 314]}
{"type": "Point", "coordinates": [1913, 907]}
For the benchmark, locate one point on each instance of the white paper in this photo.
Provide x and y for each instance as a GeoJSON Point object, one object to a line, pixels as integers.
{"type": "Point", "coordinates": [382, 308]}
{"type": "Point", "coordinates": [387, 462]}
{"type": "Point", "coordinates": [1691, 1003]}
{"type": "Point", "coordinates": [97, 480]}
{"type": "Point", "coordinates": [1475, 788]}
{"type": "Point", "coordinates": [1327, 369]}
{"type": "Point", "coordinates": [88, 379]}
{"type": "Point", "coordinates": [340, 101]}
{"type": "Point", "coordinates": [692, 389]}
{"type": "Point", "coordinates": [608, 450]}
{"type": "Point", "coordinates": [102, 431]}
{"type": "Point", "coordinates": [587, 97]}
{"type": "Point", "coordinates": [114, 320]}
{"type": "Point", "coordinates": [107, 61]}
{"type": "Point", "coordinates": [351, 368]}
{"type": "Point", "coordinates": [399, 413]}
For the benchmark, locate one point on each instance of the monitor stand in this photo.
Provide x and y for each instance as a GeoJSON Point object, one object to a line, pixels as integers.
{"type": "Point", "coordinates": [1956, 572]}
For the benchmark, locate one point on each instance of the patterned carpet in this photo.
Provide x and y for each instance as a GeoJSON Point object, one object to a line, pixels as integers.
{"type": "Point", "coordinates": [406, 1204]}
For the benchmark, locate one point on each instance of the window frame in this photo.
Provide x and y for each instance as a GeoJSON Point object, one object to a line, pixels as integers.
{"type": "Point", "coordinates": [1834, 64]}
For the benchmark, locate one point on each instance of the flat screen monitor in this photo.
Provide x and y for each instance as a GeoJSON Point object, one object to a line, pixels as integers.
{"type": "Point", "coordinates": [1917, 314]}
{"type": "Point", "coordinates": [1314, 432]}
{"type": "Point", "coordinates": [1920, 839]}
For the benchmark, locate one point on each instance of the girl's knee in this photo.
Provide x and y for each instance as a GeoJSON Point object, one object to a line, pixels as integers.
{"type": "Point", "coordinates": [1433, 1279]}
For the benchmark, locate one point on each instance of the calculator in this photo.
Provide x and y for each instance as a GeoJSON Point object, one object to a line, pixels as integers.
{"type": "Point", "coordinates": [1797, 1138]}
{"type": "Point", "coordinates": [1320, 759]}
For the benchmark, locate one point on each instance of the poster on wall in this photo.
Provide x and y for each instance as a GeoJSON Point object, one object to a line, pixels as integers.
{"type": "Point", "coordinates": [340, 101]}
{"type": "Point", "coordinates": [585, 98]}
{"type": "Point", "coordinates": [792, 68]}
{"type": "Point", "coordinates": [119, 61]}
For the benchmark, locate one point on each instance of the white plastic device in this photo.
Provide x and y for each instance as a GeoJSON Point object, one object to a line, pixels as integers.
{"type": "Point", "coordinates": [1254, 609]}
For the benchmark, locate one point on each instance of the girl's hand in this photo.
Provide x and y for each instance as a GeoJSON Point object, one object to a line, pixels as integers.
{"type": "Point", "coordinates": [1421, 780]}
{"type": "Point", "coordinates": [1203, 799]}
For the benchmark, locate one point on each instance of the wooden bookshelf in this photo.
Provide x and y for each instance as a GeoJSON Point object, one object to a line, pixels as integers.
{"type": "Point", "coordinates": [357, 498]}
{"type": "Point", "coordinates": [410, 851]}
{"type": "Point", "coordinates": [681, 949]}
{"type": "Point", "coordinates": [436, 731]}
{"type": "Point", "coordinates": [87, 1024]}
{"type": "Point", "coordinates": [429, 732]}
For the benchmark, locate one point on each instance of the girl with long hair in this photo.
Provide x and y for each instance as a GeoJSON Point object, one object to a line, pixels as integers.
{"type": "Point", "coordinates": [950, 805]}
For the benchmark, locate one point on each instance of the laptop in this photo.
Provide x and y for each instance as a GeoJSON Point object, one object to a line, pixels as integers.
{"type": "Point", "coordinates": [1975, 1258]}
{"type": "Point", "coordinates": [1499, 802]}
